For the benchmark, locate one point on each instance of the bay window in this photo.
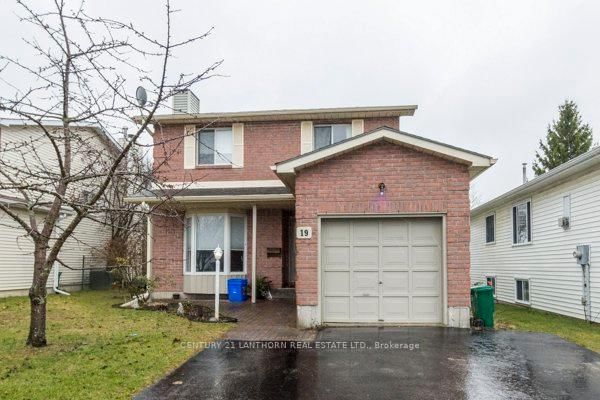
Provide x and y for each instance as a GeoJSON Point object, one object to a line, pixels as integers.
{"type": "Point", "coordinates": [204, 232]}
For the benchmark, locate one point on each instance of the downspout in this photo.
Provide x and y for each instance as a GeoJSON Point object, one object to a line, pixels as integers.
{"type": "Point", "coordinates": [55, 282]}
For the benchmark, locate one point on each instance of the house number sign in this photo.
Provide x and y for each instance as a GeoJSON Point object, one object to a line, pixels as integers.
{"type": "Point", "coordinates": [304, 232]}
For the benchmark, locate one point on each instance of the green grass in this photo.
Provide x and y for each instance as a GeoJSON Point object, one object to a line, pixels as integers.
{"type": "Point", "coordinates": [527, 319]}
{"type": "Point", "coordinates": [94, 350]}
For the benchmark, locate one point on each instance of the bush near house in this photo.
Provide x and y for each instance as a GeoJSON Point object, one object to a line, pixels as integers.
{"type": "Point", "coordinates": [94, 349]}
{"type": "Point", "coordinates": [527, 319]}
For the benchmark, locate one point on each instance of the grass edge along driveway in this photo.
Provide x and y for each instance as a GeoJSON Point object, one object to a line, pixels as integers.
{"type": "Point", "coordinates": [94, 349]}
{"type": "Point", "coordinates": [527, 319]}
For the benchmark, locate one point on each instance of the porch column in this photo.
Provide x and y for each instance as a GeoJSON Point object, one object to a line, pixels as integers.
{"type": "Point", "coordinates": [149, 246]}
{"type": "Point", "coordinates": [254, 253]}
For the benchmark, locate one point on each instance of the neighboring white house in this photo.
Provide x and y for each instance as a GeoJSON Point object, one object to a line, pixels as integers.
{"type": "Point", "coordinates": [522, 242]}
{"type": "Point", "coordinates": [16, 249]}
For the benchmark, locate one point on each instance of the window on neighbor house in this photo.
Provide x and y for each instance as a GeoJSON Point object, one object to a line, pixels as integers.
{"type": "Point", "coordinates": [203, 233]}
{"type": "Point", "coordinates": [522, 290]}
{"type": "Point", "coordinates": [215, 146]}
{"type": "Point", "coordinates": [491, 281]}
{"type": "Point", "coordinates": [490, 228]}
{"type": "Point", "coordinates": [325, 135]}
{"type": "Point", "coordinates": [521, 216]}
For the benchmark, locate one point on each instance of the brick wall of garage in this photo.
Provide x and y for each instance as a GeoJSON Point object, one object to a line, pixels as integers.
{"type": "Point", "coordinates": [415, 182]}
{"type": "Point", "coordinates": [265, 143]}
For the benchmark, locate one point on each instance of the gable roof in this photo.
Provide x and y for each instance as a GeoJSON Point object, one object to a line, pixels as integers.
{"type": "Point", "coordinates": [579, 165]}
{"type": "Point", "coordinates": [286, 170]}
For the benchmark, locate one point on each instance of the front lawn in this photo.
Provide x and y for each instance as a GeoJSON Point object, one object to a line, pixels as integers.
{"type": "Point", "coordinates": [528, 319]}
{"type": "Point", "coordinates": [94, 350]}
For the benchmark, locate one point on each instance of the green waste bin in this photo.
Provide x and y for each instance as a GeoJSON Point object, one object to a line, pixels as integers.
{"type": "Point", "coordinates": [482, 303]}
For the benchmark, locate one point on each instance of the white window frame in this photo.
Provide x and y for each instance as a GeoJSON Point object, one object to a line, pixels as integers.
{"type": "Point", "coordinates": [486, 276]}
{"type": "Point", "coordinates": [530, 223]}
{"type": "Point", "coordinates": [314, 138]}
{"type": "Point", "coordinates": [226, 245]}
{"type": "Point", "coordinates": [517, 279]}
{"type": "Point", "coordinates": [485, 228]}
{"type": "Point", "coordinates": [198, 164]}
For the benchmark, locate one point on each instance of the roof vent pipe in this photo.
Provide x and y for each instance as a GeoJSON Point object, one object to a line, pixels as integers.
{"type": "Point", "coordinates": [525, 173]}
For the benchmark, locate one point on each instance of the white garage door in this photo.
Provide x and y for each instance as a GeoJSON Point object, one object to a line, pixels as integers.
{"type": "Point", "coordinates": [382, 270]}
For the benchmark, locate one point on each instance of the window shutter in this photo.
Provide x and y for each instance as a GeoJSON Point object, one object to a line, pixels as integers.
{"type": "Point", "coordinates": [306, 136]}
{"type": "Point", "coordinates": [529, 221]}
{"type": "Point", "coordinates": [238, 145]}
{"type": "Point", "coordinates": [358, 126]}
{"type": "Point", "coordinates": [189, 147]}
{"type": "Point", "coordinates": [514, 224]}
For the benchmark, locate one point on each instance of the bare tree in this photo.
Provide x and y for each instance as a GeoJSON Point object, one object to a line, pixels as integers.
{"type": "Point", "coordinates": [83, 78]}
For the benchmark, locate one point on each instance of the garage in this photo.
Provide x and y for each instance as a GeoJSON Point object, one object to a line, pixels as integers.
{"type": "Point", "coordinates": [382, 270]}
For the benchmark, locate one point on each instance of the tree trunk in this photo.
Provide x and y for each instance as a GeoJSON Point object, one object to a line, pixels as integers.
{"type": "Point", "coordinates": [37, 300]}
{"type": "Point", "coordinates": [37, 325]}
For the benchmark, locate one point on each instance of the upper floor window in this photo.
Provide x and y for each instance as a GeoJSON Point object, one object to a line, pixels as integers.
{"type": "Point", "coordinates": [215, 146]}
{"type": "Point", "coordinates": [521, 221]}
{"type": "Point", "coordinates": [326, 135]}
{"type": "Point", "coordinates": [490, 228]}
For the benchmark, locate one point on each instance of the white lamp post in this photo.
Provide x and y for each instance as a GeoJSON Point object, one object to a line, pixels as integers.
{"type": "Point", "coordinates": [218, 254]}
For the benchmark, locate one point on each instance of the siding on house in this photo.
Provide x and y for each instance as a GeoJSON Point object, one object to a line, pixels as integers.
{"type": "Point", "coordinates": [555, 279]}
{"type": "Point", "coordinates": [16, 249]}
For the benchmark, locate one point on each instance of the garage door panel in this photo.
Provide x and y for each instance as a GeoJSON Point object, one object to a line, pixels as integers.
{"type": "Point", "coordinates": [365, 232]}
{"type": "Point", "coordinates": [336, 308]}
{"type": "Point", "coordinates": [364, 257]}
{"type": "Point", "coordinates": [336, 232]}
{"type": "Point", "coordinates": [395, 308]}
{"type": "Point", "coordinates": [425, 309]}
{"type": "Point", "coordinates": [365, 283]}
{"type": "Point", "coordinates": [395, 283]}
{"type": "Point", "coordinates": [336, 258]}
{"type": "Point", "coordinates": [425, 282]}
{"type": "Point", "coordinates": [426, 258]}
{"type": "Point", "coordinates": [425, 232]}
{"type": "Point", "coordinates": [365, 308]}
{"type": "Point", "coordinates": [336, 283]}
{"type": "Point", "coordinates": [394, 258]}
{"type": "Point", "coordinates": [394, 232]}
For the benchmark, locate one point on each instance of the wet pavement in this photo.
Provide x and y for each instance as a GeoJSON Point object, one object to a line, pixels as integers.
{"type": "Point", "coordinates": [389, 363]}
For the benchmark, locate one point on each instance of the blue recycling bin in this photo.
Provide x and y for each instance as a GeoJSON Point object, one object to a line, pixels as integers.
{"type": "Point", "coordinates": [236, 289]}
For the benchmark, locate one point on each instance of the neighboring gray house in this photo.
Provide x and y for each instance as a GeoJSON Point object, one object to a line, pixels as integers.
{"type": "Point", "coordinates": [522, 242]}
{"type": "Point", "coordinates": [16, 249]}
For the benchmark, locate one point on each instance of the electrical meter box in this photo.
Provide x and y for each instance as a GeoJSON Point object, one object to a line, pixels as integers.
{"type": "Point", "coordinates": [582, 254]}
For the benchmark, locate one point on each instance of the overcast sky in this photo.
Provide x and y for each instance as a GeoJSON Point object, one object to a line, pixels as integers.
{"type": "Point", "coordinates": [486, 75]}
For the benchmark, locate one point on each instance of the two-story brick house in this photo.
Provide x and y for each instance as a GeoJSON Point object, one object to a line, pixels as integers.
{"type": "Point", "coordinates": [369, 224]}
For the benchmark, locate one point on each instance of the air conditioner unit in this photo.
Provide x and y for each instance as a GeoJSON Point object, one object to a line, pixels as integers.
{"type": "Point", "coordinates": [564, 222]}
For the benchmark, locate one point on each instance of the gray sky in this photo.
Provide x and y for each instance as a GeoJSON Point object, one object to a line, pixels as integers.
{"type": "Point", "coordinates": [487, 76]}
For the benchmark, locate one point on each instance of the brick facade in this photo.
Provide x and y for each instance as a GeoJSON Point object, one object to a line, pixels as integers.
{"type": "Point", "coordinates": [269, 234]}
{"type": "Point", "coordinates": [167, 254]}
{"type": "Point", "coordinates": [265, 143]}
{"type": "Point", "coordinates": [415, 182]}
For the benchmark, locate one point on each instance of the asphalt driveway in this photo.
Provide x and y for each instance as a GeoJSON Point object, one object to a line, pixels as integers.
{"type": "Point", "coordinates": [390, 363]}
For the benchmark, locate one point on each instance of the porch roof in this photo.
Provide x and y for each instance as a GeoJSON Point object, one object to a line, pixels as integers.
{"type": "Point", "coordinates": [211, 195]}
{"type": "Point", "coordinates": [286, 170]}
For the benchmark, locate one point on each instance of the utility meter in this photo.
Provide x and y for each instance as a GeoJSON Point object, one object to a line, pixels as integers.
{"type": "Point", "coordinates": [582, 254]}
